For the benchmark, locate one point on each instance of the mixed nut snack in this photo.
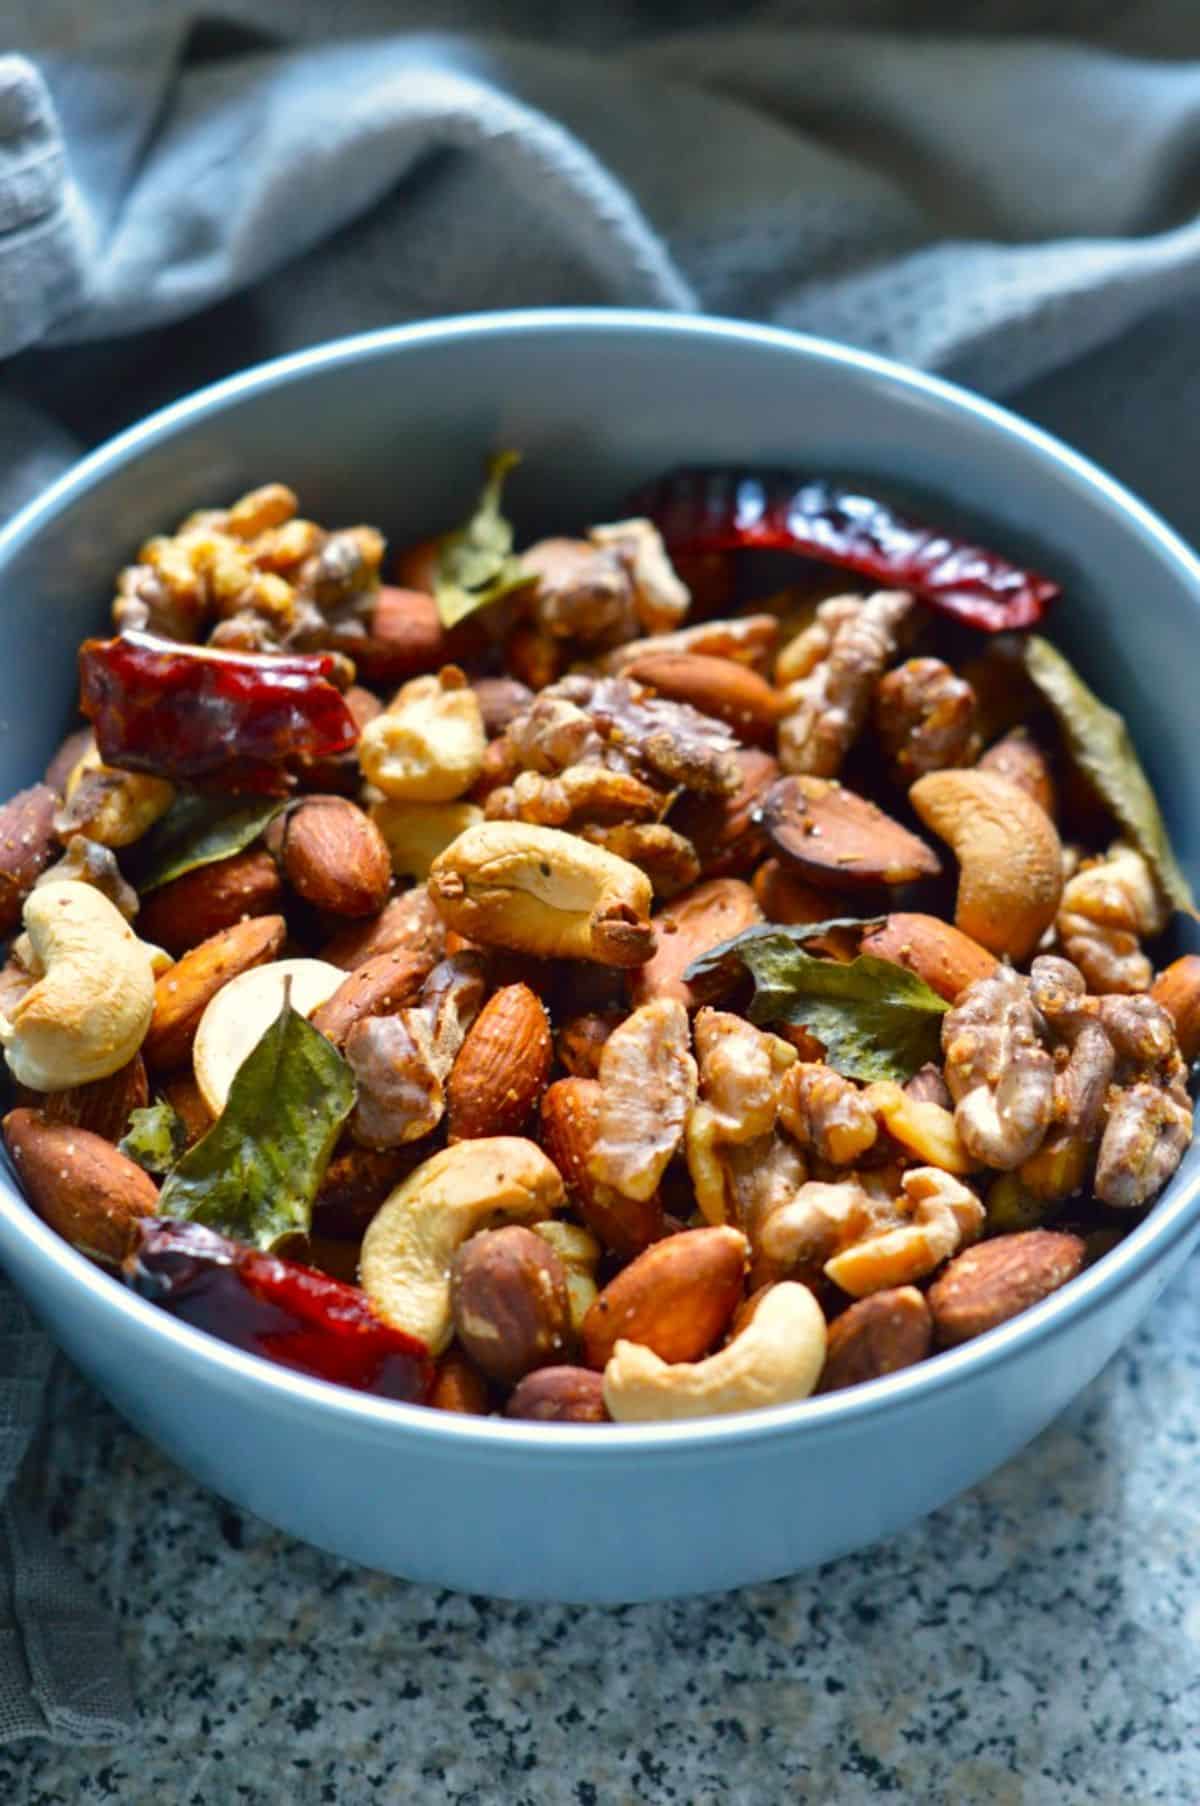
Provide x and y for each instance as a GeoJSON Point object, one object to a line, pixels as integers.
{"type": "Point", "coordinates": [583, 983]}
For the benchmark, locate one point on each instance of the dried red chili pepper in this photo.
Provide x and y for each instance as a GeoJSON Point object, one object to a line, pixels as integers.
{"type": "Point", "coordinates": [196, 714]}
{"type": "Point", "coordinates": [277, 1308]}
{"type": "Point", "coordinates": [700, 511]}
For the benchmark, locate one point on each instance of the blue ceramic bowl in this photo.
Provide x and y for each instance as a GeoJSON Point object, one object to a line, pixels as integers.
{"type": "Point", "coordinates": [390, 428]}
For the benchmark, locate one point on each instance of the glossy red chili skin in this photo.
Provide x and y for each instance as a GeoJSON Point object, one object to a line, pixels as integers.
{"type": "Point", "coordinates": [197, 715]}
{"type": "Point", "coordinates": [277, 1308]}
{"type": "Point", "coordinates": [704, 511]}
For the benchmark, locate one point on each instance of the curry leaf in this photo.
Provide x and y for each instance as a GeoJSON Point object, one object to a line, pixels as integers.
{"type": "Point", "coordinates": [876, 1019]}
{"type": "Point", "coordinates": [255, 1174]}
{"type": "Point", "coordinates": [156, 1137]}
{"type": "Point", "coordinates": [476, 563]}
{"type": "Point", "coordinates": [1100, 744]}
{"type": "Point", "coordinates": [198, 830]}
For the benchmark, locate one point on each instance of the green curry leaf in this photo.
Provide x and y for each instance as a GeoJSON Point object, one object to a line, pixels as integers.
{"type": "Point", "coordinates": [876, 1019]}
{"type": "Point", "coordinates": [1100, 744]}
{"type": "Point", "coordinates": [198, 830]}
{"type": "Point", "coordinates": [156, 1137]}
{"type": "Point", "coordinates": [255, 1174]}
{"type": "Point", "coordinates": [476, 563]}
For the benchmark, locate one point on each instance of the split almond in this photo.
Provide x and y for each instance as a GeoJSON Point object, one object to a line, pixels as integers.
{"type": "Point", "coordinates": [725, 830]}
{"type": "Point", "coordinates": [409, 923]}
{"type": "Point", "coordinates": [80, 1184]}
{"type": "Point", "coordinates": [838, 840]}
{"type": "Point", "coordinates": [183, 993]}
{"type": "Point", "coordinates": [947, 959]}
{"type": "Point", "coordinates": [996, 1280]}
{"type": "Point", "coordinates": [675, 1299]}
{"type": "Point", "coordinates": [190, 909]}
{"type": "Point", "coordinates": [876, 1336]}
{"type": "Point", "coordinates": [242, 1011]}
{"type": "Point", "coordinates": [502, 1066]}
{"type": "Point", "coordinates": [692, 924]}
{"type": "Point", "coordinates": [570, 1121]}
{"type": "Point", "coordinates": [381, 985]}
{"type": "Point", "coordinates": [720, 687]}
{"type": "Point", "coordinates": [335, 857]}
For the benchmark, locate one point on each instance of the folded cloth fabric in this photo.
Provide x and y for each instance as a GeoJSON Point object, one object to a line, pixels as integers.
{"type": "Point", "coordinates": [1007, 193]}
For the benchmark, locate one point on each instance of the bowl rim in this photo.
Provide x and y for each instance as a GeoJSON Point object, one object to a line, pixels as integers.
{"type": "Point", "coordinates": [1173, 1219]}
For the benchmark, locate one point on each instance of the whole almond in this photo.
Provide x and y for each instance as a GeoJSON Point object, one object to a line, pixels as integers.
{"type": "Point", "coordinates": [103, 1106]}
{"type": "Point", "coordinates": [996, 1280]}
{"type": "Point", "coordinates": [570, 1127]}
{"type": "Point", "coordinates": [409, 922]}
{"type": "Point", "coordinates": [379, 987]}
{"type": "Point", "coordinates": [559, 1395]}
{"type": "Point", "coordinates": [508, 1292]}
{"type": "Point", "coordinates": [692, 924]}
{"type": "Point", "coordinates": [725, 830]}
{"type": "Point", "coordinates": [1020, 759]}
{"type": "Point", "coordinates": [502, 1066]}
{"type": "Point", "coordinates": [1177, 989]}
{"type": "Point", "coordinates": [675, 1298]}
{"type": "Point", "coordinates": [720, 687]}
{"type": "Point", "coordinates": [183, 993]}
{"type": "Point", "coordinates": [79, 1183]}
{"type": "Point", "coordinates": [190, 909]}
{"type": "Point", "coordinates": [403, 636]}
{"type": "Point", "coordinates": [334, 856]}
{"type": "Point", "coordinates": [876, 1335]}
{"type": "Point", "coordinates": [27, 845]}
{"type": "Point", "coordinates": [458, 1386]}
{"type": "Point", "coordinates": [947, 959]}
{"type": "Point", "coordinates": [836, 839]}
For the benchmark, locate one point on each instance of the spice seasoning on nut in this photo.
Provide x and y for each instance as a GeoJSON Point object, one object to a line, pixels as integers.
{"type": "Point", "coordinates": [632, 1018]}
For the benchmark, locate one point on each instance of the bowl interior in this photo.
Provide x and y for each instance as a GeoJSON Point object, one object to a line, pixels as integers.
{"type": "Point", "coordinates": [391, 428]}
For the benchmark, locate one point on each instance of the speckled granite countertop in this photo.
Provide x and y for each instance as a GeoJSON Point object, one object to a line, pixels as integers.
{"type": "Point", "coordinates": [1037, 1641]}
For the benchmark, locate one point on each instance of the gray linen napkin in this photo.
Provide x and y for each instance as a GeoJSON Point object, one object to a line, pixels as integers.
{"type": "Point", "coordinates": [1013, 202]}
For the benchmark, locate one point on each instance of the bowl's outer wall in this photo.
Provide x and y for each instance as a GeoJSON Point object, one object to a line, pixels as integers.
{"type": "Point", "coordinates": [393, 432]}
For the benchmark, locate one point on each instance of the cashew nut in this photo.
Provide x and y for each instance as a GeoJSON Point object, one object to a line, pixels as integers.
{"type": "Point", "coordinates": [89, 1010]}
{"type": "Point", "coordinates": [110, 806]}
{"type": "Point", "coordinates": [579, 1252]}
{"type": "Point", "coordinates": [775, 1360]}
{"type": "Point", "coordinates": [417, 832]}
{"type": "Point", "coordinates": [239, 1015]}
{"type": "Point", "coordinates": [410, 1242]}
{"type": "Point", "coordinates": [540, 891]}
{"type": "Point", "coordinates": [428, 745]}
{"type": "Point", "coordinates": [1009, 855]}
